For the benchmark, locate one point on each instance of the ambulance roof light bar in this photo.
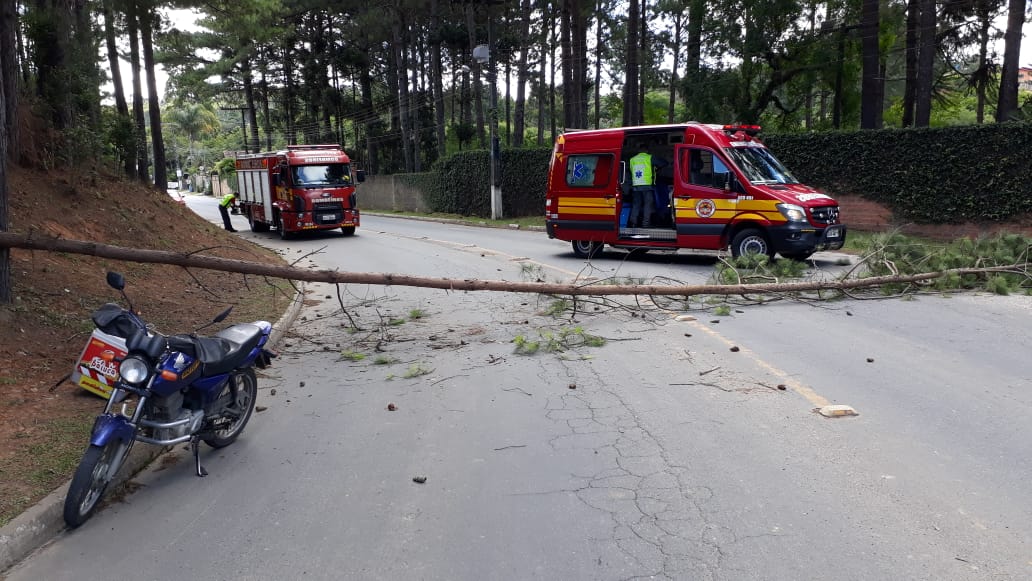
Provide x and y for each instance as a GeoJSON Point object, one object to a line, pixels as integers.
{"type": "Point", "coordinates": [750, 130]}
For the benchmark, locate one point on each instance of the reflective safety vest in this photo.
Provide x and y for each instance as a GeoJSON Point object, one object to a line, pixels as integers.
{"type": "Point", "coordinates": [227, 200]}
{"type": "Point", "coordinates": [641, 170]}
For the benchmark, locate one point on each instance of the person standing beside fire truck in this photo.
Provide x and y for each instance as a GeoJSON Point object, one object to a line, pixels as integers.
{"type": "Point", "coordinates": [224, 204]}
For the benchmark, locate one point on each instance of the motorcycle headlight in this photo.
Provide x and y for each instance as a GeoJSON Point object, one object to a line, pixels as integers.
{"type": "Point", "coordinates": [792, 212]}
{"type": "Point", "coordinates": [134, 370]}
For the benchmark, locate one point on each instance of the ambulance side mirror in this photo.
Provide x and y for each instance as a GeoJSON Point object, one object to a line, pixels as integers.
{"type": "Point", "coordinates": [276, 179]}
{"type": "Point", "coordinates": [723, 181]}
{"type": "Point", "coordinates": [360, 175]}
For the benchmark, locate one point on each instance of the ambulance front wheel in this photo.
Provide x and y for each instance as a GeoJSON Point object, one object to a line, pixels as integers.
{"type": "Point", "coordinates": [750, 241]}
{"type": "Point", "coordinates": [586, 249]}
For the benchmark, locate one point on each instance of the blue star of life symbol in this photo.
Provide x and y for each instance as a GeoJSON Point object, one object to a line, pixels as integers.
{"type": "Point", "coordinates": [638, 173]}
{"type": "Point", "coordinates": [578, 171]}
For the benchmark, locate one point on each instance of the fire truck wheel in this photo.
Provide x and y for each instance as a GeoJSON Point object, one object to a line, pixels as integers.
{"type": "Point", "coordinates": [348, 230]}
{"type": "Point", "coordinates": [750, 241]}
{"type": "Point", "coordinates": [586, 249]}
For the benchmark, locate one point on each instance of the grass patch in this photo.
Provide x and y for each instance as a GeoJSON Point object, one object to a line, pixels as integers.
{"type": "Point", "coordinates": [384, 360]}
{"type": "Point", "coordinates": [43, 460]}
{"type": "Point", "coordinates": [416, 314]}
{"type": "Point", "coordinates": [353, 356]}
{"type": "Point", "coordinates": [560, 342]}
{"type": "Point", "coordinates": [417, 369]}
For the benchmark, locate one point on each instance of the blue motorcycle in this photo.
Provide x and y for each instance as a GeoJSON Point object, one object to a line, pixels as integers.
{"type": "Point", "coordinates": [172, 389]}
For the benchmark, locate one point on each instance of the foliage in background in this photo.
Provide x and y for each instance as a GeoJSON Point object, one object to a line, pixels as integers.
{"type": "Point", "coordinates": [892, 253]}
{"type": "Point", "coordinates": [949, 175]}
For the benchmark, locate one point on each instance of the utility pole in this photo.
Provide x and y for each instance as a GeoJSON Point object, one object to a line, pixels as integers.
{"type": "Point", "coordinates": [482, 54]}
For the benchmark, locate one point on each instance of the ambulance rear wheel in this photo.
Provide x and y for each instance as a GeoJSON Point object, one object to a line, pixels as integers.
{"type": "Point", "coordinates": [586, 249]}
{"type": "Point", "coordinates": [750, 241]}
{"type": "Point", "coordinates": [348, 230]}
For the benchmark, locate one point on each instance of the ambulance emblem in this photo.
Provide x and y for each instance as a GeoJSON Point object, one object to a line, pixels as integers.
{"type": "Point", "coordinates": [705, 208]}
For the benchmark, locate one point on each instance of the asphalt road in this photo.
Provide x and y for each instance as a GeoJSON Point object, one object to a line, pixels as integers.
{"type": "Point", "coordinates": [669, 452]}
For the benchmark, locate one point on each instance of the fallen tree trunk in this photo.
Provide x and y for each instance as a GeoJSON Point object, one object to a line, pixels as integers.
{"type": "Point", "coordinates": [191, 260]}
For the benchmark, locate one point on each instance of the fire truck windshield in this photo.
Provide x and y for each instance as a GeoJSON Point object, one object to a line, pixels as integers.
{"type": "Point", "coordinates": [334, 174]}
{"type": "Point", "coordinates": [760, 166]}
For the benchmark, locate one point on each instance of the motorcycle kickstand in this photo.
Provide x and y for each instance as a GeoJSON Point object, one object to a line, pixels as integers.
{"type": "Point", "coordinates": [196, 445]}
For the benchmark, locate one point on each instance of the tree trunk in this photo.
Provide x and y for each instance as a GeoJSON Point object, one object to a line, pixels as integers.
{"type": "Point", "coordinates": [140, 129]}
{"type": "Point", "coordinates": [1007, 104]}
{"type": "Point", "coordinates": [51, 60]}
{"type": "Point", "coordinates": [522, 74]}
{"type": "Point", "coordinates": [195, 260]}
{"type": "Point", "coordinates": [400, 60]}
{"type": "Point", "coordinates": [9, 68]}
{"type": "Point", "coordinates": [566, 58]}
{"type": "Point", "coordinates": [551, 80]}
{"type": "Point", "coordinates": [478, 89]}
{"type": "Point", "coordinates": [263, 88]}
{"type": "Point", "coordinates": [121, 107]}
{"type": "Point", "coordinates": [542, 75]}
{"type": "Point", "coordinates": [147, 17]}
{"type": "Point", "coordinates": [910, 87]}
{"type": "Point", "coordinates": [925, 63]}
{"type": "Point", "coordinates": [372, 123]}
{"type": "Point", "coordinates": [254, 144]}
{"type": "Point", "coordinates": [415, 102]}
{"type": "Point", "coordinates": [6, 294]}
{"type": "Point", "coordinates": [693, 56]}
{"type": "Point", "coordinates": [598, 64]}
{"type": "Point", "coordinates": [437, 72]}
{"type": "Point", "coordinates": [982, 79]}
{"type": "Point", "coordinates": [630, 92]}
{"type": "Point", "coordinates": [678, 23]}
{"type": "Point", "coordinates": [871, 84]}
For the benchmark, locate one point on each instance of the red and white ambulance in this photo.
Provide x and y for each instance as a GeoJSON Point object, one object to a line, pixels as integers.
{"type": "Point", "coordinates": [719, 187]}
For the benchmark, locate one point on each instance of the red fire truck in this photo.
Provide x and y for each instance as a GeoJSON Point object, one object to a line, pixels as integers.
{"type": "Point", "coordinates": [298, 189]}
{"type": "Point", "coordinates": [717, 186]}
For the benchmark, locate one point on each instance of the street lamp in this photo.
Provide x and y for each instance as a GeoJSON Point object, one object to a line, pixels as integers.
{"type": "Point", "coordinates": [482, 54]}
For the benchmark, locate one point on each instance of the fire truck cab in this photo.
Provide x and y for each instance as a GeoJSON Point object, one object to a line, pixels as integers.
{"type": "Point", "coordinates": [301, 188]}
{"type": "Point", "coordinates": [717, 186]}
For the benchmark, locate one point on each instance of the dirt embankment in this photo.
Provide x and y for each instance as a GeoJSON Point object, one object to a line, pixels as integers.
{"type": "Point", "coordinates": [44, 330]}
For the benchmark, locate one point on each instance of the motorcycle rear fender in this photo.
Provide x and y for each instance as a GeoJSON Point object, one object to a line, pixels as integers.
{"type": "Point", "coordinates": [108, 427]}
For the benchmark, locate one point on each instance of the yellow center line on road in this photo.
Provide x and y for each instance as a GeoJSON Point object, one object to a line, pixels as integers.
{"type": "Point", "coordinates": [811, 396]}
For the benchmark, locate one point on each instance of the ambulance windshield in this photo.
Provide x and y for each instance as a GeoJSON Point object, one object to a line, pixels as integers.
{"type": "Point", "coordinates": [760, 166]}
{"type": "Point", "coordinates": [334, 174]}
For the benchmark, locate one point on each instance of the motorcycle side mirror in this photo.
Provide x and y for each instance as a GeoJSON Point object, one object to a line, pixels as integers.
{"type": "Point", "coordinates": [222, 316]}
{"type": "Point", "coordinates": [115, 280]}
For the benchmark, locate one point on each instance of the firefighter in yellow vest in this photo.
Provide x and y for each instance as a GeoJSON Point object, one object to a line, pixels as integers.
{"type": "Point", "coordinates": [643, 187]}
{"type": "Point", "coordinates": [224, 205]}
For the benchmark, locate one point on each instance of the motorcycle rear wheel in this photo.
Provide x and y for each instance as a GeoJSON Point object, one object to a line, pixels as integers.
{"type": "Point", "coordinates": [247, 393]}
{"type": "Point", "coordinates": [96, 470]}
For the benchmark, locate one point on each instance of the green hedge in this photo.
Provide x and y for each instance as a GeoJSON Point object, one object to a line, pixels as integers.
{"type": "Point", "coordinates": [973, 173]}
{"type": "Point", "coordinates": [460, 184]}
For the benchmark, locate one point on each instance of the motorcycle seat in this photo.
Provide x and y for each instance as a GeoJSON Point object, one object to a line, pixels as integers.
{"type": "Point", "coordinates": [222, 353]}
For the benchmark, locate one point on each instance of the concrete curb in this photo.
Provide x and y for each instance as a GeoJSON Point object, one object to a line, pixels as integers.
{"type": "Point", "coordinates": [477, 224]}
{"type": "Point", "coordinates": [41, 523]}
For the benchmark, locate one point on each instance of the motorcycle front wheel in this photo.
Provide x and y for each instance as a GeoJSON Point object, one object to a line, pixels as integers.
{"type": "Point", "coordinates": [96, 470]}
{"type": "Point", "coordinates": [247, 393]}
